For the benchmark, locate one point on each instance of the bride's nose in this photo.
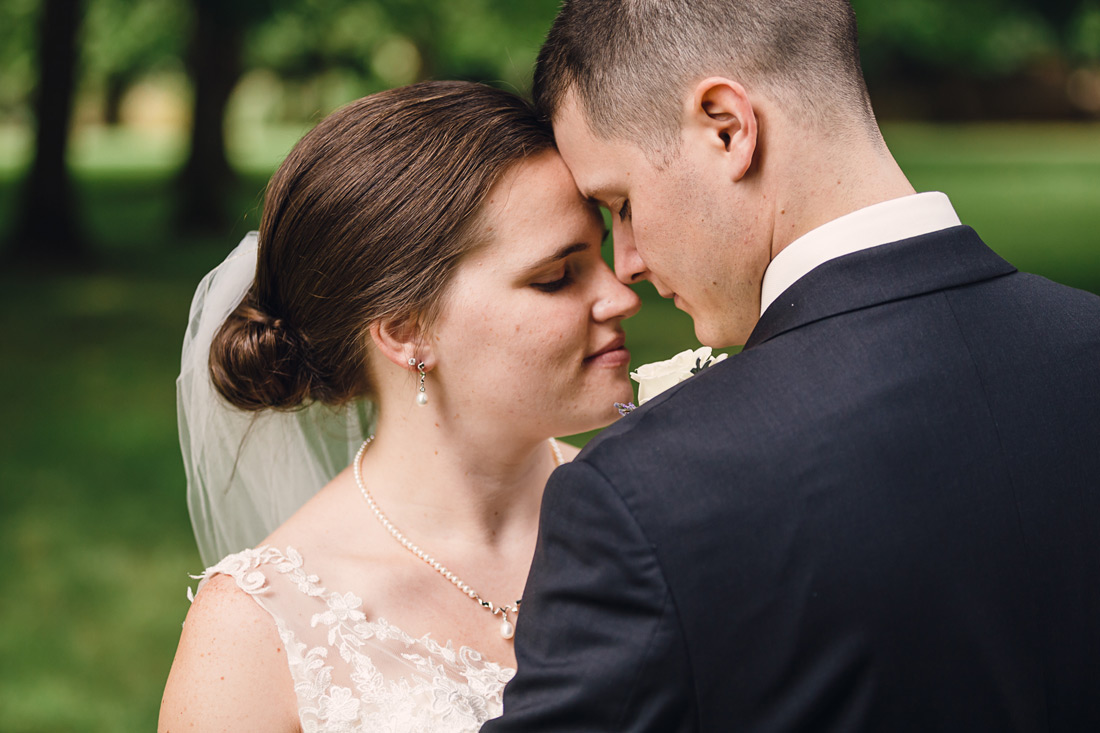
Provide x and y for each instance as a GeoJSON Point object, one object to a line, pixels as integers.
{"type": "Point", "coordinates": [614, 300]}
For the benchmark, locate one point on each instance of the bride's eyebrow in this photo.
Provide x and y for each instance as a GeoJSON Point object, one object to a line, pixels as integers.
{"type": "Point", "coordinates": [561, 254]}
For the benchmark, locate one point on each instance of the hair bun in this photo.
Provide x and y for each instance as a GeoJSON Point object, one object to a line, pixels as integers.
{"type": "Point", "coordinates": [258, 361]}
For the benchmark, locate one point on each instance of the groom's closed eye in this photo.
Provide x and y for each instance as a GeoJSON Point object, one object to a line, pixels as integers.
{"type": "Point", "coordinates": [624, 210]}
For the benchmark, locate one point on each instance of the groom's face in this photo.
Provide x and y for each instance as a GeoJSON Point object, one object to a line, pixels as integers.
{"type": "Point", "coordinates": [682, 226]}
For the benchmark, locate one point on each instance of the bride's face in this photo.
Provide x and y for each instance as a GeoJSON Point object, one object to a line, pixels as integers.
{"type": "Point", "coordinates": [530, 328]}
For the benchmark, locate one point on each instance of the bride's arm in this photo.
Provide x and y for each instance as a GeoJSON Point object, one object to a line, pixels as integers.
{"type": "Point", "coordinates": [230, 671]}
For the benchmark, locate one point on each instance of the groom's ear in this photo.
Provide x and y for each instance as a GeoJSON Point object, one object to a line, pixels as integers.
{"type": "Point", "coordinates": [722, 117]}
{"type": "Point", "coordinates": [401, 339]}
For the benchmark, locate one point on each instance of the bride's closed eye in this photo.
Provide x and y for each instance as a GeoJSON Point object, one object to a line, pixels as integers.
{"type": "Point", "coordinates": [570, 264]}
{"type": "Point", "coordinates": [555, 285]}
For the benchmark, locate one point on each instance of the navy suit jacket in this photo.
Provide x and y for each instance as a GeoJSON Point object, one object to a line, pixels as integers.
{"type": "Point", "coordinates": [882, 515]}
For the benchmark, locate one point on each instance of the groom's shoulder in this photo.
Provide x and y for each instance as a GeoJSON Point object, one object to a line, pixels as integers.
{"type": "Point", "coordinates": [827, 381]}
{"type": "Point", "coordinates": [1045, 292]}
{"type": "Point", "coordinates": [718, 407]}
{"type": "Point", "coordinates": [1028, 308]}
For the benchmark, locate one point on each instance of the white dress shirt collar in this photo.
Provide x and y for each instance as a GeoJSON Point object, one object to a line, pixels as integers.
{"type": "Point", "coordinates": [882, 223]}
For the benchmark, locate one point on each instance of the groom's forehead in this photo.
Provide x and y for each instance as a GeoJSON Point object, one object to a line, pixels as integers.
{"type": "Point", "coordinates": [572, 120]}
{"type": "Point", "coordinates": [592, 159]}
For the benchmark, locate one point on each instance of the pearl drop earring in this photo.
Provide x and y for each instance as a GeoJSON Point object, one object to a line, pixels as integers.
{"type": "Point", "coordinates": [421, 395]}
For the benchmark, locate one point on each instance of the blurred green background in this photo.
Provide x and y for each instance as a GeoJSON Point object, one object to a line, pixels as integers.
{"type": "Point", "coordinates": [135, 140]}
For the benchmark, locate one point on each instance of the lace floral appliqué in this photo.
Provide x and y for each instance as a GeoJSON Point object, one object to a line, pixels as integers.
{"type": "Point", "coordinates": [352, 673]}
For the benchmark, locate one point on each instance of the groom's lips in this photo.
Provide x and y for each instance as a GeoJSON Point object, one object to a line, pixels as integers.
{"type": "Point", "coordinates": [613, 354]}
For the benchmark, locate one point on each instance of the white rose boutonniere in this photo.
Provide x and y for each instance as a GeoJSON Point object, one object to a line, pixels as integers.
{"type": "Point", "coordinates": [655, 378]}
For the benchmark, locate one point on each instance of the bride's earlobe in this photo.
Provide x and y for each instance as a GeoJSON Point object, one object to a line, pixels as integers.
{"type": "Point", "coordinates": [401, 342]}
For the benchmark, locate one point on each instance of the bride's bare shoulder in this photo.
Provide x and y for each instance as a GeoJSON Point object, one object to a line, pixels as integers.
{"type": "Point", "coordinates": [329, 521]}
{"type": "Point", "coordinates": [230, 671]}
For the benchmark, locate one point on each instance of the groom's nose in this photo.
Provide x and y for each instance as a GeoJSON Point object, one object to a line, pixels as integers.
{"type": "Point", "coordinates": [629, 267]}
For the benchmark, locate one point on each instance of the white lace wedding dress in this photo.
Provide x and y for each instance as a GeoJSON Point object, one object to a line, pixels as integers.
{"type": "Point", "coordinates": [352, 673]}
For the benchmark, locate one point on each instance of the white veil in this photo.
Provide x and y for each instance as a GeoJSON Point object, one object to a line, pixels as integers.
{"type": "Point", "coordinates": [248, 472]}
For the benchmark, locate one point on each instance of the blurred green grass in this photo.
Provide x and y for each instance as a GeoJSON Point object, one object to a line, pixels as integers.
{"type": "Point", "coordinates": [92, 512]}
{"type": "Point", "coordinates": [1031, 191]}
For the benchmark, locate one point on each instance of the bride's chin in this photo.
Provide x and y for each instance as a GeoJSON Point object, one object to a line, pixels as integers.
{"type": "Point", "coordinates": [624, 393]}
{"type": "Point", "coordinates": [592, 408]}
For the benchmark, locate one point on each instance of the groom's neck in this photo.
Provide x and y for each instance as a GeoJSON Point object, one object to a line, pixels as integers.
{"type": "Point", "coordinates": [819, 177]}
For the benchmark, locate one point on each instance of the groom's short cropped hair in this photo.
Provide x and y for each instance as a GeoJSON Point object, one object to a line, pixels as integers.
{"type": "Point", "coordinates": [629, 62]}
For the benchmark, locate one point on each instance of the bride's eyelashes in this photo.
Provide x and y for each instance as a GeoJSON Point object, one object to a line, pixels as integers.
{"type": "Point", "coordinates": [553, 286]}
{"type": "Point", "coordinates": [573, 264]}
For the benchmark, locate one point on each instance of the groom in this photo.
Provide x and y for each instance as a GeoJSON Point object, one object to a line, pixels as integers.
{"type": "Point", "coordinates": [884, 514]}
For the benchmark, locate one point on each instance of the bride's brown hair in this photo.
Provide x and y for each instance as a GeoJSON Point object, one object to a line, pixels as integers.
{"type": "Point", "coordinates": [366, 219]}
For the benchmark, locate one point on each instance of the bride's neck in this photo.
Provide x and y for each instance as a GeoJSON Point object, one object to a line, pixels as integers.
{"type": "Point", "coordinates": [445, 479]}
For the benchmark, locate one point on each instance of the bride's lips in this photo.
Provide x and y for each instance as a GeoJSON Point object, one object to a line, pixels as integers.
{"type": "Point", "coordinates": [613, 354]}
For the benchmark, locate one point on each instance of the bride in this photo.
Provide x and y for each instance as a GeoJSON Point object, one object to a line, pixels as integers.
{"type": "Point", "coordinates": [424, 248]}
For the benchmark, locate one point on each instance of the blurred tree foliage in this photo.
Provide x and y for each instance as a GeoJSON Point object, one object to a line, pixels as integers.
{"type": "Point", "coordinates": [124, 41]}
{"type": "Point", "coordinates": [931, 59]}
{"type": "Point", "coordinates": [370, 44]}
{"type": "Point", "coordinates": [17, 59]}
{"type": "Point", "coordinates": [373, 45]}
{"type": "Point", "coordinates": [982, 59]}
{"type": "Point", "coordinates": [978, 37]}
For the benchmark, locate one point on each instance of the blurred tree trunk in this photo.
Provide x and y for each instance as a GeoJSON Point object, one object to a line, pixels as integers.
{"type": "Point", "coordinates": [118, 83]}
{"type": "Point", "coordinates": [47, 221]}
{"type": "Point", "coordinates": [1060, 13]}
{"type": "Point", "coordinates": [215, 66]}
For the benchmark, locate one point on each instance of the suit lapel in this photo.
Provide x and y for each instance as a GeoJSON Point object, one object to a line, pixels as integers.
{"type": "Point", "coordinates": [910, 267]}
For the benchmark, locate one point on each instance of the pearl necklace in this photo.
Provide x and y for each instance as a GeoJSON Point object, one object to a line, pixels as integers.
{"type": "Point", "coordinates": [507, 628]}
